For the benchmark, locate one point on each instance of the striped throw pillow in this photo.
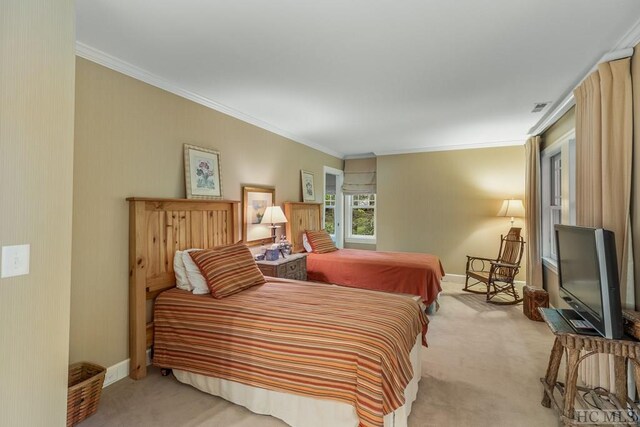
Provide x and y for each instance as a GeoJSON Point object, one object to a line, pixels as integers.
{"type": "Point", "coordinates": [228, 269]}
{"type": "Point", "coordinates": [320, 241]}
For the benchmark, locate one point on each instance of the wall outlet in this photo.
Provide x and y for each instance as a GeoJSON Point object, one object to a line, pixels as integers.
{"type": "Point", "coordinates": [15, 260]}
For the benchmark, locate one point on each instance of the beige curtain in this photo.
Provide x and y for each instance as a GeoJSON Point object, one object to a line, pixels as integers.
{"type": "Point", "coordinates": [360, 176]}
{"type": "Point", "coordinates": [604, 143]}
{"type": "Point", "coordinates": [532, 211]}
{"type": "Point", "coordinates": [604, 148]}
{"type": "Point", "coordinates": [635, 186]}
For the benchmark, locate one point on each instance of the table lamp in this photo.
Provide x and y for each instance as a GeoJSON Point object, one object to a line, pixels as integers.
{"type": "Point", "coordinates": [273, 215]}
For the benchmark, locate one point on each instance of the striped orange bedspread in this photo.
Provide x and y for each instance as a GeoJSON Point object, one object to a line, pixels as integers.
{"type": "Point", "coordinates": [328, 342]}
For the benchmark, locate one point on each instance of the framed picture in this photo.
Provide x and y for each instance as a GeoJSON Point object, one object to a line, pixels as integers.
{"type": "Point", "coordinates": [308, 190]}
{"type": "Point", "coordinates": [202, 173]}
{"type": "Point", "coordinates": [255, 200]}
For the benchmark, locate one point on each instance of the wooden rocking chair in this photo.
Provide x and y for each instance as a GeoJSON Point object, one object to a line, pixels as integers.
{"type": "Point", "coordinates": [495, 276]}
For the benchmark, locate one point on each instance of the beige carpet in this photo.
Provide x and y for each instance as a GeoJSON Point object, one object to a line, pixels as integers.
{"type": "Point", "coordinates": [482, 368]}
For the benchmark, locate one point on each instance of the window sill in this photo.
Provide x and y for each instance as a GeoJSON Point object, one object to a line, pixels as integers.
{"type": "Point", "coordinates": [550, 264]}
{"type": "Point", "coordinates": [361, 240]}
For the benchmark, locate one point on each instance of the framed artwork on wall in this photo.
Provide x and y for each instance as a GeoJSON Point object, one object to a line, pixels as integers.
{"type": "Point", "coordinates": [308, 190]}
{"type": "Point", "coordinates": [255, 200]}
{"type": "Point", "coordinates": [202, 173]}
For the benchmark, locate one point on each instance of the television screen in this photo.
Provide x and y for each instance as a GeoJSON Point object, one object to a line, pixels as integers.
{"type": "Point", "coordinates": [588, 274]}
{"type": "Point", "coordinates": [580, 269]}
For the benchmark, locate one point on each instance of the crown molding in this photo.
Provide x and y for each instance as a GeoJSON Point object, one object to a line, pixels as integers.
{"type": "Point", "coordinates": [622, 49]}
{"type": "Point", "coordinates": [631, 38]}
{"type": "Point", "coordinates": [569, 101]}
{"type": "Point", "coordinates": [359, 156]}
{"type": "Point", "coordinates": [553, 115]}
{"type": "Point", "coordinates": [492, 144]}
{"type": "Point", "coordinates": [116, 64]}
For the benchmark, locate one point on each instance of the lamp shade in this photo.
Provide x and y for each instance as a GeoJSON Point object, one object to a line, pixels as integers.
{"type": "Point", "coordinates": [273, 215]}
{"type": "Point", "coordinates": [512, 208]}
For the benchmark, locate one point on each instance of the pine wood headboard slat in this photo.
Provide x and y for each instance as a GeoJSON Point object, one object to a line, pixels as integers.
{"type": "Point", "coordinates": [157, 228]}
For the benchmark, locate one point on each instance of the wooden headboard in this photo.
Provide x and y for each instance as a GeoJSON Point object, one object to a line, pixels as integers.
{"type": "Point", "coordinates": [157, 228]}
{"type": "Point", "coordinates": [301, 217]}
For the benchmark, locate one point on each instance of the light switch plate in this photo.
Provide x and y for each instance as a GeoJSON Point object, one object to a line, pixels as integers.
{"type": "Point", "coordinates": [15, 260]}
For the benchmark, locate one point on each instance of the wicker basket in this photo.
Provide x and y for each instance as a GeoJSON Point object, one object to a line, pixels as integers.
{"type": "Point", "coordinates": [85, 386]}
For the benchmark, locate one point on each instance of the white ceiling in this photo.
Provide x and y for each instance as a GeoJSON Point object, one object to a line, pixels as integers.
{"type": "Point", "coordinates": [363, 76]}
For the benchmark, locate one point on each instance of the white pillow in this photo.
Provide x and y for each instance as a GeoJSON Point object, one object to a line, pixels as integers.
{"type": "Point", "coordinates": [196, 280]}
{"type": "Point", "coordinates": [305, 243]}
{"type": "Point", "coordinates": [182, 281]}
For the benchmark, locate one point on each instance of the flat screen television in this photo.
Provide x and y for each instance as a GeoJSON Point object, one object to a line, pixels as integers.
{"type": "Point", "coordinates": [588, 273]}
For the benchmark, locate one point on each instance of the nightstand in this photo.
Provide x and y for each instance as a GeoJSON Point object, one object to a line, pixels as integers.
{"type": "Point", "coordinates": [294, 266]}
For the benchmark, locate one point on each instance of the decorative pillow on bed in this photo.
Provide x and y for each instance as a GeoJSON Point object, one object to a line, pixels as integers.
{"type": "Point", "coordinates": [305, 243]}
{"type": "Point", "coordinates": [196, 279]}
{"type": "Point", "coordinates": [182, 280]}
{"type": "Point", "coordinates": [228, 269]}
{"type": "Point", "coordinates": [320, 241]}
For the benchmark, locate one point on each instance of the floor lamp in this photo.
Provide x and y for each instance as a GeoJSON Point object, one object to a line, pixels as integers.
{"type": "Point", "coordinates": [512, 208]}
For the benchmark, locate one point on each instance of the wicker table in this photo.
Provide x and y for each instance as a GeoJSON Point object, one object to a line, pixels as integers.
{"type": "Point", "coordinates": [567, 340]}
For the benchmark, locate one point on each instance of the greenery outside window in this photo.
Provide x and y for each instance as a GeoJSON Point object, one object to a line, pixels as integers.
{"type": "Point", "coordinates": [329, 214]}
{"type": "Point", "coordinates": [361, 217]}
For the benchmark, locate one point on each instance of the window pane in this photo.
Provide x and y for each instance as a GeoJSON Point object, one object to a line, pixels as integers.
{"type": "Point", "coordinates": [556, 218]}
{"type": "Point", "coordinates": [363, 200]}
{"type": "Point", "coordinates": [362, 222]}
{"type": "Point", "coordinates": [329, 220]}
{"type": "Point", "coordinates": [330, 200]}
{"type": "Point", "coordinates": [556, 180]}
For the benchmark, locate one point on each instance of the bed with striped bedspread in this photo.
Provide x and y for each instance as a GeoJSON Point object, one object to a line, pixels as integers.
{"type": "Point", "coordinates": [321, 341]}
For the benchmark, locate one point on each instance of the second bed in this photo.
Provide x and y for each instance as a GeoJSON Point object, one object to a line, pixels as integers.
{"type": "Point", "coordinates": [397, 272]}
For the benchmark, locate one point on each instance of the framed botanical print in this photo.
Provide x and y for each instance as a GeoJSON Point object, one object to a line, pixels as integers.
{"type": "Point", "coordinates": [308, 191]}
{"type": "Point", "coordinates": [202, 173]}
{"type": "Point", "coordinates": [255, 200]}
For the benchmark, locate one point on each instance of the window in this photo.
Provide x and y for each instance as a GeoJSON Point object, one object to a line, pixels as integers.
{"type": "Point", "coordinates": [558, 192]}
{"type": "Point", "coordinates": [329, 214]}
{"type": "Point", "coordinates": [361, 217]}
{"type": "Point", "coordinates": [555, 197]}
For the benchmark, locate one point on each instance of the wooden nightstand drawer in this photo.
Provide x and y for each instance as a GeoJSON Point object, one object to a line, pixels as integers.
{"type": "Point", "coordinates": [292, 267]}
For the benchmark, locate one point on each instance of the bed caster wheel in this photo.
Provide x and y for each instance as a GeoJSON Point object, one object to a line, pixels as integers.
{"type": "Point", "coordinates": [165, 372]}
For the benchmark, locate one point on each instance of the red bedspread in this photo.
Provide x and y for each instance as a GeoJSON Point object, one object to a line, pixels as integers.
{"type": "Point", "coordinates": [399, 272]}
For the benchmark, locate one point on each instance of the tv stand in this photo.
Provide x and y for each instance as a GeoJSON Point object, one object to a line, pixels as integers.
{"type": "Point", "coordinates": [568, 340]}
{"type": "Point", "coordinates": [573, 319]}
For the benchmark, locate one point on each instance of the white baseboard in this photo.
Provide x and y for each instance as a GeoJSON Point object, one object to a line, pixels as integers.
{"type": "Point", "coordinates": [120, 370]}
{"type": "Point", "coordinates": [116, 372]}
{"type": "Point", "coordinates": [459, 278]}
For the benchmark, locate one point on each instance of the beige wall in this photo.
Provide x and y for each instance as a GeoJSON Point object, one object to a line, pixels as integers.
{"type": "Point", "coordinates": [37, 44]}
{"type": "Point", "coordinates": [549, 138]}
{"type": "Point", "coordinates": [129, 142]}
{"type": "Point", "coordinates": [560, 128]}
{"type": "Point", "coordinates": [445, 203]}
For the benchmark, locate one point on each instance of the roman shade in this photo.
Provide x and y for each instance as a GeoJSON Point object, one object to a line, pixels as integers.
{"type": "Point", "coordinates": [360, 176]}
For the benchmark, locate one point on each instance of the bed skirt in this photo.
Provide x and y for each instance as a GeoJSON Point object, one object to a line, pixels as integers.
{"type": "Point", "coordinates": [303, 411]}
